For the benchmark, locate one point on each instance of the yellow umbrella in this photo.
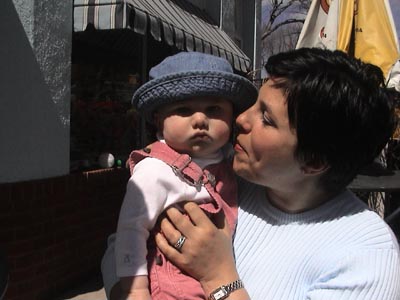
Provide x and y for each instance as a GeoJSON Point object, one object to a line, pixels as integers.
{"type": "Point", "coordinates": [375, 38]}
{"type": "Point", "coordinates": [362, 28]}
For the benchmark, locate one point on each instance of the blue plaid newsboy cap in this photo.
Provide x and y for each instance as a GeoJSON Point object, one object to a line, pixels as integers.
{"type": "Point", "coordinates": [193, 74]}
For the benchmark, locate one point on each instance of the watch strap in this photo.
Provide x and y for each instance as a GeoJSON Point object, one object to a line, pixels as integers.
{"type": "Point", "coordinates": [224, 291]}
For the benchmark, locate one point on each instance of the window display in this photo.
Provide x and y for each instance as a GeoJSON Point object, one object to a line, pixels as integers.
{"type": "Point", "coordinates": [102, 118]}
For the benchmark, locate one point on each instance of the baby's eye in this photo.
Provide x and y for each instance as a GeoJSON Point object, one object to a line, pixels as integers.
{"type": "Point", "coordinates": [214, 109]}
{"type": "Point", "coordinates": [182, 110]}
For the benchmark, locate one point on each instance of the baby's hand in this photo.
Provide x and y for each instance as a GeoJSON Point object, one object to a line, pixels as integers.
{"type": "Point", "coordinates": [135, 288]}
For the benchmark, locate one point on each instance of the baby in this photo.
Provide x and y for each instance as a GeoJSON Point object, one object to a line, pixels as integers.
{"type": "Point", "coordinates": [192, 99]}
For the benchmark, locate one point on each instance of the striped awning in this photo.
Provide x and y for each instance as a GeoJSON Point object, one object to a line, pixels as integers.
{"type": "Point", "coordinates": [176, 22]}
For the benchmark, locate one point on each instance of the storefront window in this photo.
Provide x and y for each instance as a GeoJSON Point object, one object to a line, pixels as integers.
{"type": "Point", "coordinates": [102, 118]}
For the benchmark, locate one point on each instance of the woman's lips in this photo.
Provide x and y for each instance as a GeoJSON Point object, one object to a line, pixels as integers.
{"type": "Point", "coordinates": [238, 147]}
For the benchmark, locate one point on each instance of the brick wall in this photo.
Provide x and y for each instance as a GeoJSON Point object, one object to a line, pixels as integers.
{"type": "Point", "coordinates": [54, 231]}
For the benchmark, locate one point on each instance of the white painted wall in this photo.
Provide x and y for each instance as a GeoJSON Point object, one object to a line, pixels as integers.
{"type": "Point", "coordinates": [35, 51]}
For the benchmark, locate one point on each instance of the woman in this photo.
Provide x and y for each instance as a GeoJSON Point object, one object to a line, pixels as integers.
{"type": "Point", "coordinates": [319, 118]}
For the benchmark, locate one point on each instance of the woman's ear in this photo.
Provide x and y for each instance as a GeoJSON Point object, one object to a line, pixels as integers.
{"type": "Point", "coordinates": [314, 169]}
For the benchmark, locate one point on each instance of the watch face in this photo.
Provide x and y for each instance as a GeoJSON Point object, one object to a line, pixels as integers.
{"type": "Point", "coordinates": [220, 294]}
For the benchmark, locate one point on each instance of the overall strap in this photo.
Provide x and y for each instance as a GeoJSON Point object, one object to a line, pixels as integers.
{"type": "Point", "coordinates": [181, 164]}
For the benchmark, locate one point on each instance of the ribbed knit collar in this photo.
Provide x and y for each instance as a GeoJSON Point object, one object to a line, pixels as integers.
{"type": "Point", "coordinates": [329, 210]}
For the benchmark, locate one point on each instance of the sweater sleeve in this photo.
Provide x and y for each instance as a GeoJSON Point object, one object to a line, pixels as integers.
{"type": "Point", "coordinates": [145, 198]}
{"type": "Point", "coordinates": [363, 275]}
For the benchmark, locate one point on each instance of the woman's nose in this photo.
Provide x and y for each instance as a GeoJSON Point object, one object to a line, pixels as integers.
{"type": "Point", "coordinates": [242, 121]}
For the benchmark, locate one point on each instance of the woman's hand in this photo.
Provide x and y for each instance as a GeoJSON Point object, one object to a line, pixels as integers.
{"type": "Point", "coordinates": [207, 253]}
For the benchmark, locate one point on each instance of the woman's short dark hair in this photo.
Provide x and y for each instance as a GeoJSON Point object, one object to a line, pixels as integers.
{"type": "Point", "coordinates": [339, 107]}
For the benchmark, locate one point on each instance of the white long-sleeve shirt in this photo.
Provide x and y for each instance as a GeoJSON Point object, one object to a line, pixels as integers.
{"type": "Point", "coordinates": [340, 250]}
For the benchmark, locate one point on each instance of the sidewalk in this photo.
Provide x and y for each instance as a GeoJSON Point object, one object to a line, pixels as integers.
{"type": "Point", "coordinates": [90, 290]}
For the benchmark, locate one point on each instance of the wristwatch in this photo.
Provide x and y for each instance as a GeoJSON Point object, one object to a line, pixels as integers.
{"type": "Point", "coordinates": [224, 291]}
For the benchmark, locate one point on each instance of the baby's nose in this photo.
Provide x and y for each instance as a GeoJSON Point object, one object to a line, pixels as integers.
{"type": "Point", "coordinates": [199, 119]}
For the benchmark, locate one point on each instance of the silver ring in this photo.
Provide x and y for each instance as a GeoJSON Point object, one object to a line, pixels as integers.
{"type": "Point", "coordinates": [178, 245]}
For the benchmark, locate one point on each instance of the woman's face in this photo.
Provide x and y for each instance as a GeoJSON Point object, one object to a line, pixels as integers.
{"type": "Point", "coordinates": [265, 145]}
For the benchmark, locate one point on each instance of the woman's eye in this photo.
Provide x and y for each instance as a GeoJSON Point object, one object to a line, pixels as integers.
{"type": "Point", "coordinates": [266, 119]}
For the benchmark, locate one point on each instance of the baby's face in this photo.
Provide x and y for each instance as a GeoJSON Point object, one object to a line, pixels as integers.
{"type": "Point", "coordinates": [197, 126]}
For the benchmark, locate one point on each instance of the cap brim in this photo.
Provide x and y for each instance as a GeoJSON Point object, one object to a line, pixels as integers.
{"type": "Point", "coordinates": [177, 87]}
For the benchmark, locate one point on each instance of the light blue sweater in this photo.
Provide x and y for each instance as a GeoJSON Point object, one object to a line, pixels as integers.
{"type": "Point", "coordinates": [341, 250]}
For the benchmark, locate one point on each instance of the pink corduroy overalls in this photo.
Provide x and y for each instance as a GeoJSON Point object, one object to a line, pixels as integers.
{"type": "Point", "coordinates": [167, 282]}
